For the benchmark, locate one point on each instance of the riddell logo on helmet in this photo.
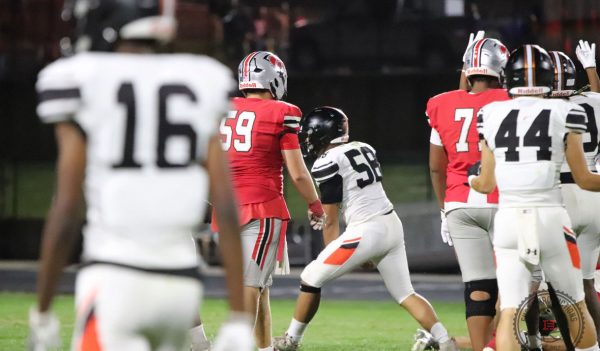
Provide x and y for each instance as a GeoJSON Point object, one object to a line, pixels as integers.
{"type": "Point", "coordinates": [477, 70]}
{"type": "Point", "coordinates": [247, 85]}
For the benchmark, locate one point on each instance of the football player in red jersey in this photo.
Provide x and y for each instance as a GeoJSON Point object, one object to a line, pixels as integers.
{"type": "Point", "coordinates": [467, 216]}
{"type": "Point", "coordinates": [260, 135]}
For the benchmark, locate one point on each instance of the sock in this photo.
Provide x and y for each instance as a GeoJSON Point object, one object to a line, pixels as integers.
{"type": "Point", "coordinates": [296, 330]}
{"type": "Point", "coordinates": [535, 341]}
{"type": "Point", "coordinates": [198, 335]}
{"type": "Point", "coordinates": [593, 348]}
{"type": "Point", "coordinates": [440, 334]}
{"type": "Point", "coordinates": [268, 348]}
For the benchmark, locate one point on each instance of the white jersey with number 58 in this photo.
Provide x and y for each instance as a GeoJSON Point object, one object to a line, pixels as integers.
{"type": "Point", "coordinates": [147, 120]}
{"type": "Point", "coordinates": [527, 137]}
{"type": "Point", "coordinates": [350, 174]}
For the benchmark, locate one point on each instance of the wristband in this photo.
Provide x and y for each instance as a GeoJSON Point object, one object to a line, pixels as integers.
{"type": "Point", "coordinates": [316, 208]}
{"type": "Point", "coordinates": [470, 180]}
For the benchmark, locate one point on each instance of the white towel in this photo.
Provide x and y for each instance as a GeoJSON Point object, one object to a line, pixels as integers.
{"type": "Point", "coordinates": [528, 241]}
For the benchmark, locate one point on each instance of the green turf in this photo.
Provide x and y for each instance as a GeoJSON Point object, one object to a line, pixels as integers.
{"type": "Point", "coordinates": [339, 325]}
{"type": "Point", "coordinates": [28, 188]}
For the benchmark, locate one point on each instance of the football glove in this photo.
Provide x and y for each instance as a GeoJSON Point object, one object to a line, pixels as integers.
{"type": "Point", "coordinates": [235, 334]}
{"type": "Point", "coordinates": [44, 331]}
{"type": "Point", "coordinates": [473, 171]}
{"type": "Point", "coordinates": [472, 39]}
{"type": "Point", "coordinates": [444, 229]}
{"type": "Point", "coordinates": [586, 54]}
{"type": "Point", "coordinates": [316, 215]}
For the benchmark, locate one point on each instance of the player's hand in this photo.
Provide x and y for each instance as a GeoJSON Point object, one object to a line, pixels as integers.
{"type": "Point", "coordinates": [472, 39]}
{"type": "Point", "coordinates": [316, 215]}
{"type": "Point", "coordinates": [44, 331]}
{"type": "Point", "coordinates": [586, 54]}
{"type": "Point", "coordinates": [473, 172]}
{"type": "Point", "coordinates": [444, 229]}
{"type": "Point", "coordinates": [235, 334]}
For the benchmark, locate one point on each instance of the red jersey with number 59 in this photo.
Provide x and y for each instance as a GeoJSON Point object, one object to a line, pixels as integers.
{"type": "Point", "coordinates": [254, 134]}
{"type": "Point", "coordinates": [453, 116]}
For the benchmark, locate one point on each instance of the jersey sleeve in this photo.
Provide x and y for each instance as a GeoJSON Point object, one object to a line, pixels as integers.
{"type": "Point", "coordinates": [59, 92]}
{"type": "Point", "coordinates": [325, 172]}
{"type": "Point", "coordinates": [480, 124]}
{"type": "Point", "coordinates": [576, 121]}
{"type": "Point", "coordinates": [291, 125]}
{"type": "Point", "coordinates": [430, 113]}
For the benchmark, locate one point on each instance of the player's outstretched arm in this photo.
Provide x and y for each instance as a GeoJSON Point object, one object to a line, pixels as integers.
{"type": "Point", "coordinates": [331, 228]}
{"type": "Point", "coordinates": [62, 223]}
{"type": "Point", "coordinates": [485, 182]}
{"type": "Point", "coordinates": [464, 83]}
{"type": "Point", "coordinates": [304, 185]}
{"type": "Point", "coordinates": [225, 207]}
{"type": "Point", "coordinates": [299, 174]}
{"type": "Point", "coordinates": [579, 168]}
{"type": "Point", "coordinates": [586, 54]}
{"type": "Point", "coordinates": [438, 162]}
{"type": "Point", "coordinates": [60, 232]}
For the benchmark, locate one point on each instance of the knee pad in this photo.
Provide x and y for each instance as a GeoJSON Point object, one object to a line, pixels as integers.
{"type": "Point", "coordinates": [309, 289]}
{"type": "Point", "coordinates": [484, 307]}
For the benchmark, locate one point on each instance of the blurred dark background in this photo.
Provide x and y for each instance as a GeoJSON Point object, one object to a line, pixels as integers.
{"type": "Point", "coordinates": [378, 60]}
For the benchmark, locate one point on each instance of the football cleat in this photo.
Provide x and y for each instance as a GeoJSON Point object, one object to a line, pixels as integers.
{"type": "Point", "coordinates": [449, 345]}
{"type": "Point", "coordinates": [424, 341]}
{"type": "Point", "coordinates": [285, 343]}
{"type": "Point", "coordinates": [203, 345]}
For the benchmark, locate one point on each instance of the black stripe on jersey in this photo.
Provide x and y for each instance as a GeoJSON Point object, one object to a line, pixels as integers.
{"type": "Point", "coordinates": [576, 118]}
{"type": "Point", "coordinates": [350, 245]}
{"type": "Point", "coordinates": [56, 94]}
{"type": "Point", "coordinates": [326, 172]}
{"type": "Point", "coordinates": [332, 190]}
{"type": "Point", "coordinates": [570, 238]}
{"type": "Point", "coordinates": [263, 242]}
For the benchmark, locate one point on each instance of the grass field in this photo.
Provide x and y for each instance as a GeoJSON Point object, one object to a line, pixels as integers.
{"type": "Point", "coordinates": [339, 325]}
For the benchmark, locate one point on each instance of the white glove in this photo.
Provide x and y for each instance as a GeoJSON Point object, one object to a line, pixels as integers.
{"type": "Point", "coordinates": [444, 229]}
{"type": "Point", "coordinates": [472, 39]}
{"type": "Point", "coordinates": [235, 334]}
{"type": "Point", "coordinates": [316, 215]}
{"type": "Point", "coordinates": [586, 54]}
{"type": "Point", "coordinates": [44, 331]}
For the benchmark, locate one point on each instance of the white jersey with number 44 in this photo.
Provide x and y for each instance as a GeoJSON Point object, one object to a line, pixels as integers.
{"type": "Point", "coordinates": [147, 120]}
{"type": "Point", "coordinates": [351, 175]}
{"type": "Point", "coordinates": [527, 137]}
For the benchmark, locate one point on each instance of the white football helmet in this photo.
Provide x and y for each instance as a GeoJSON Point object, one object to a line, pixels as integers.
{"type": "Point", "coordinates": [263, 70]}
{"type": "Point", "coordinates": [486, 57]}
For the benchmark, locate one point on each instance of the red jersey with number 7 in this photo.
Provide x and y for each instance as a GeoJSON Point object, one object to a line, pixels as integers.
{"type": "Point", "coordinates": [254, 134]}
{"type": "Point", "coordinates": [453, 116]}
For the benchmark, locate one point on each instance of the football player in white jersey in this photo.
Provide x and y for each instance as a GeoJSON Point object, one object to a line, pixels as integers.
{"type": "Point", "coordinates": [581, 204]}
{"type": "Point", "coordinates": [524, 143]}
{"type": "Point", "coordinates": [137, 134]}
{"type": "Point", "coordinates": [349, 179]}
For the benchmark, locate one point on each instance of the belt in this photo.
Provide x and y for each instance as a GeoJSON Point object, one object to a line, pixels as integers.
{"type": "Point", "coordinates": [388, 212]}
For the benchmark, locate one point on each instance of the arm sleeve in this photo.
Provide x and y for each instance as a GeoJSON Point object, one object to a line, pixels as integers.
{"type": "Point", "coordinates": [332, 190]}
{"type": "Point", "coordinates": [576, 121]}
{"type": "Point", "coordinates": [434, 138]}
{"type": "Point", "coordinates": [291, 126]}
{"type": "Point", "coordinates": [480, 127]}
{"type": "Point", "coordinates": [59, 92]}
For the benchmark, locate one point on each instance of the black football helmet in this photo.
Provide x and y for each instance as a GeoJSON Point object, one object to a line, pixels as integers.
{"type": "Point", "coordinates": [100, 24]}
{"type": "Point", "coordinates": [321, 127]}
{"type": "Point", "coordinates": [564, 72]}
{"type": "Point", "coordinates": [529, 71]}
